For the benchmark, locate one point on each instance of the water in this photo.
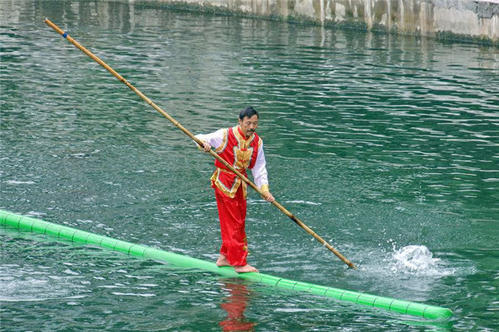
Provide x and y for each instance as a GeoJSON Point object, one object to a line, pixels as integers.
{"type": "Point", "coordinates": [386, 146]}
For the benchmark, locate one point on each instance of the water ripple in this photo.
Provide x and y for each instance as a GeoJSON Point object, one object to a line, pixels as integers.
{"type": "Point", "coordinates": [368, 137]}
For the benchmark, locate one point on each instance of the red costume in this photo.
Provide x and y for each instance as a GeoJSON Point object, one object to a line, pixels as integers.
{"type": "Point", "coordinates": [230, 191]}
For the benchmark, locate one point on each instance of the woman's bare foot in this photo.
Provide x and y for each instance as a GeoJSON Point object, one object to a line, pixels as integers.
{"type": "Point", "coordinates": [222, 261]}
{"type": "Point", "coordinates": [245, 268]}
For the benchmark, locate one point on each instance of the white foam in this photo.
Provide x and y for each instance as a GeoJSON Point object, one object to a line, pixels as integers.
{"type": "Point", "coordinates": [19, 182]}
{"type": "Point", "coordinates": [415, 258]}
{"type": "Point", "coordinates": [418, 260]}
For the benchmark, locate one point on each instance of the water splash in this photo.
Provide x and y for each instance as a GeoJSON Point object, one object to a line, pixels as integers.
{"type": "Point", "coordinates": [417, 260]}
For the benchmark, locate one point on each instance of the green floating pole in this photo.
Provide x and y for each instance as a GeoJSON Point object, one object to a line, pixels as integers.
{"type": "Point", "coordinates": [24, 223]}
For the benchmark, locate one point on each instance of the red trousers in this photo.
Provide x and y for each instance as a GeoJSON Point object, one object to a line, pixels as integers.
{"type": "Point", "coordinates": [232, 215]}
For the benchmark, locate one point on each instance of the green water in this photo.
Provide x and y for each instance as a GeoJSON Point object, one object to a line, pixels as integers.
{"type": "Point", "coordinates": [376, 142]}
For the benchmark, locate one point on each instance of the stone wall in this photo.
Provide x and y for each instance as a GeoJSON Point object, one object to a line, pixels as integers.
{"type": "Point", "coordinates": [456, 19]}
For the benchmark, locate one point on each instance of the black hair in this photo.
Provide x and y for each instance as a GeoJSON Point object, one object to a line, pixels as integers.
{"type": "Point", "coordinates": [248, 112]}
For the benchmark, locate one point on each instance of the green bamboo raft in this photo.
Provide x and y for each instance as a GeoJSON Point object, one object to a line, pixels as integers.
{"type": "Point", "coordinates": [23, 223]}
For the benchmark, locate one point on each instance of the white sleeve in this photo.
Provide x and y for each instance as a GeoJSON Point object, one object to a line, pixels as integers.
{"type": "Point", "coordinates": [259, 171]}
{"type": "Point", "coordinates": [215, 139]}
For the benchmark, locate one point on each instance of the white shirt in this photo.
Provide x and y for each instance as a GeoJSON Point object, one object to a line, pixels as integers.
{"type": "Point", "coordinates": [259, 170]}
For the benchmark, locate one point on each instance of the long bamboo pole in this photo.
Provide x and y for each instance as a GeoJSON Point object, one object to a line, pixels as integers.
{"type": "Point", "coordinates": [198, 141]}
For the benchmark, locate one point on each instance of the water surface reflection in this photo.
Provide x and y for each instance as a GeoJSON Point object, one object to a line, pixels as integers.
{"type": "Point", "coordinates": [235, 304]}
